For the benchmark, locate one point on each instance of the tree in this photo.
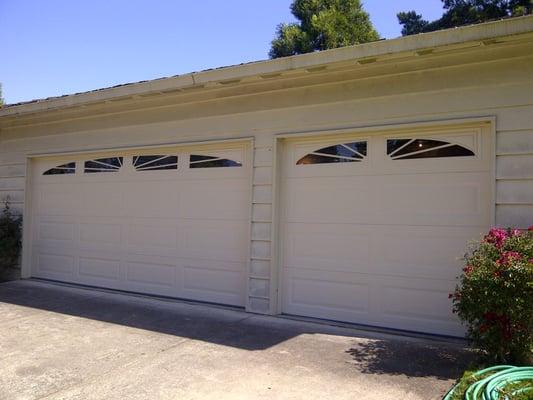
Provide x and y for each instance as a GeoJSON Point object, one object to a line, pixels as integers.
{"type": "Point", "coordinates": [323, 24]}
{"type": "Point", "coordinates": [1, 99]}
{"type": "Point", "coordinates": [463, 12]}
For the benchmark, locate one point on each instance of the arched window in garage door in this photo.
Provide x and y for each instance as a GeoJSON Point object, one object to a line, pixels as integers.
{"type": "Point", "coordinates": [155, 162]}
{"type": "Point", "coordinates": [408, 149]}
{"type": "Point", "coordinates": [110, 164]}
{"type": "Point", "coordinates": [338, 153]}
{"type": "Point", "coordinates": [68, 168]}
{"type": "Point", "coordinates": [203, 161]}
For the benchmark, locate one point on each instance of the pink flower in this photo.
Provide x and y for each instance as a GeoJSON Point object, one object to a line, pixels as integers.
{"type": "Point", "coordinates": [508, 257]}
{"type": "Point", "coordinates": [496, 236]}
{"type": "Point", "coordinates": [516, 232]}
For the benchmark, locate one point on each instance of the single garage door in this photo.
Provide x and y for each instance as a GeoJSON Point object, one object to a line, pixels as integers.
{"type": "Point", "coordinates": [373, 227]}
{"type": "Point", "coordinates": [167, 221]}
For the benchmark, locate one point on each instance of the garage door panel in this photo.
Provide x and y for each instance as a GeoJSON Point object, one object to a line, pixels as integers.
{"type": "Point", "coordinates": [349, 248]}
{"type": "Point", "coordinates": [203, 263]}
{"type": "Point", "coordinates": [100, 233]}
{"type": "Point", "coordinates": [383, 250]}
{"type": "Point", "coordinates": [209, 239]}
{"type": "Point", "coordinates": [213, 199]}
{"type": "Point", "coordinates": [328, 294]}
{"type": "Point", "coordinates": [380, 301]}
{"type": "Point", "coordinates": [411, 200]}
{"type": "Point", "coordinates": [151, 235]}
{"type": "Point", "coordinates": [58, 200]}
{"type": "Point", "coordinates": [438, 199]}
{"type": "Point", "coordinates": [422, 251]}
{"type": "Point", "coordinates": [209, 280]}
{"type": "Point", "coordinates": [54, 264]}
{"type": "Point", "coordinates": [412, 302]}
{"type": "Point", "coordinates": [152, 199]}
{"type": "Point", "coordinates": [101, 199]}
{"type": "Point", "coordinates": [99, 268]}
{"type": "Point", "coordinates": [149, 274]}
{"type": "Point", "coordinates": [419, 305]}
{"type": "Point", "coordinates": [54, 232]}
{"type": "Point", "coordinates": [330, 200]}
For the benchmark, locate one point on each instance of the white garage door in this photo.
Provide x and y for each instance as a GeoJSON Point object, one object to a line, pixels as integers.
{"type": "Point", "coordinates": [374, 226]}
{"type": "Point", "coordinates": [169, 221]}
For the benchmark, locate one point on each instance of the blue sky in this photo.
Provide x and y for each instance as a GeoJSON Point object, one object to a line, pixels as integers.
{"type": "Point", "coordinates": [56, 47]}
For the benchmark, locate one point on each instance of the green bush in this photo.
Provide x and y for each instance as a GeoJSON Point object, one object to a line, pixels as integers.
{"type": "Point", "coordinates": [494, 297]}
{"type": "Point", "coordinates": [10, 238]}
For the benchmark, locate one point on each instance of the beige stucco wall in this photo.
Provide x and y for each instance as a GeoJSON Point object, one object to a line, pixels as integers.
{"type": "Point", "coordinates": [493, 81]}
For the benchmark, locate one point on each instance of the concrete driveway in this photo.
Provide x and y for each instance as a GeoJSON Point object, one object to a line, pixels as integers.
{"type": "Point", "coordinates": [59, 342]}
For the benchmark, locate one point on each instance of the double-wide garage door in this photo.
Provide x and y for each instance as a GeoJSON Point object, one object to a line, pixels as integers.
{"type": "Point", "coordinates": [373, 226]}
{"type": "Point", "coordinates": [169, 221]}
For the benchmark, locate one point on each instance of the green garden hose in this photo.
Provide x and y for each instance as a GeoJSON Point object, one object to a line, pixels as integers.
{"type": "Point", "coordinates": [500, 384]}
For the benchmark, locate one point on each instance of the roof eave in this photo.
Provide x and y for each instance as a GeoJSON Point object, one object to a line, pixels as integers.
{"type": "Point", "coordinates": [481, 32]}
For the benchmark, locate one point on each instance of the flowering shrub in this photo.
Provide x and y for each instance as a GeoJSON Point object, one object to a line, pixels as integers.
{"type": "Point", "coordinates": [10, 238]}
{"type": "Point", "coordinates": [494, 296]}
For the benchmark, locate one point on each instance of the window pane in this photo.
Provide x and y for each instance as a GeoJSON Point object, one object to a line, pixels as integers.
{"type": "Point", "coordinates": [337, 150]}
{"type": "Point", "coordinates": [450, 151]}
{"type": "Point", "coordinates": [103, 165]}
{"type": "Point", "coordinates": [339, 153]}
{"type": "Point", "coordinates": [69, 168]}
{"type": "Point", "coordinates": [155, 162]}
{"type": "Point", "coordinates": [318, 159]}
{"type": "Point", "coordinates": [394, 144]}
{"type": "Point", "coordinates": [419, 145]}
{"type": "Point", "coordinates": [220, 163]}
{"type": "Point", "coordinates": [196, 157]}
{"type": "Point", "coordinates": [360, 147]}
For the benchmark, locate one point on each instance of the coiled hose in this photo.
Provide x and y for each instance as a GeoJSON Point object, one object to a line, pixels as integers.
{"type": "Point", "coordinates": [498, 385]}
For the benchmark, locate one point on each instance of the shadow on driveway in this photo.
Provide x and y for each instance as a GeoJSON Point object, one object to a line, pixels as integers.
{"type": "Point", "coordinates": [370, 352]}
{"type": "Point", "coordinates": [410, 359]}
{"type": "Point", "coordinates": [195, 321]}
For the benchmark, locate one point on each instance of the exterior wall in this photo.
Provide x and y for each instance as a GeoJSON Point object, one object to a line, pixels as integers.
{"type": "Point", "coordinates": [500, 89]}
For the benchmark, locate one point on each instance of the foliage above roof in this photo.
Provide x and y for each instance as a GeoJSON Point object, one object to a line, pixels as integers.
{"type": "Point", "coordinates": [464, 12]}
{"type": "Point", "coordinates": [324, 24]}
